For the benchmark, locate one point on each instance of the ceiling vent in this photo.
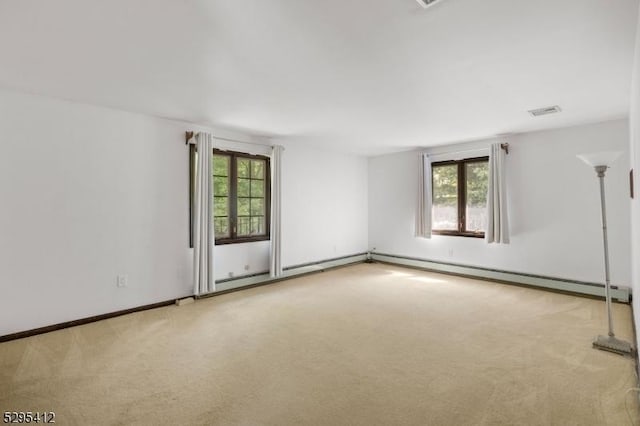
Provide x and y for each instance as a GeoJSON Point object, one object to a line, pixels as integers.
{"type": "Point", "coordinates": [544, 111]}
{"type": "Point", "coordinates": [426, 3]}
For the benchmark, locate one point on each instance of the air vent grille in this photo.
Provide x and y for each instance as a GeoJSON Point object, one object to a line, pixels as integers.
{"type": "Point", "coordinates": [544, 111]}
{"type": "Point", "coordinates": [426, 3]}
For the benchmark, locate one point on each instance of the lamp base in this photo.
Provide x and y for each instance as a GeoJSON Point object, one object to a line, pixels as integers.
{"type": "Point", "coordinates": [611, 344]}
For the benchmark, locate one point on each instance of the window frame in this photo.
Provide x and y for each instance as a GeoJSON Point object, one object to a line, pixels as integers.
{"type": "Point", "coordinates": [462, 197]}
{"type": "Point", "coordinates": [233, 197]}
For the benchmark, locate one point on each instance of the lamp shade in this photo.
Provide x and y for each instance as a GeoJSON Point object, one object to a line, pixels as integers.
{"type": "Point", "coordinates": [604, 158]}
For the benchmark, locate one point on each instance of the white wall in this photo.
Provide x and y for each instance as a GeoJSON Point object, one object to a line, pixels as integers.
{"type": "Point", "coordinates": [554, 208]}
{"type": "Point", "coordinates": [324, 203]}
{"type": "Point", "coordinates": [634, 121]}
{"type": "Point", "coordinates": [88, 193]}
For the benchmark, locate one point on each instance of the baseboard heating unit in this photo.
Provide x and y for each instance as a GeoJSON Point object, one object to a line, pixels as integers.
{"type": "Point", "coordinates": [288, 272]}
{"type": "Point", "coordinates": [618, 293]}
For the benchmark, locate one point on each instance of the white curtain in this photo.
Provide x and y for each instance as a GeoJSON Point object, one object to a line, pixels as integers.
{"type": "Point", "coordinates": [497, 220]}
{"type": "Point", "coordinates": [203, 235]}
{"type": "Point", "coordinates": [275, 268]}
{"type": "Point", "coordinates": [423, 213]}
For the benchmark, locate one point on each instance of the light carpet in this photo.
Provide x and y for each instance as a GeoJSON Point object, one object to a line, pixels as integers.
{"type": "Point", "coordinates": [369, 344]}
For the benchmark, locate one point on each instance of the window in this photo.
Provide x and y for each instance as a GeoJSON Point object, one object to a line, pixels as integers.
{"type": "Point", "coordinates": [241, 185]}
{"type": "Point", "coordinates": [460, 197]}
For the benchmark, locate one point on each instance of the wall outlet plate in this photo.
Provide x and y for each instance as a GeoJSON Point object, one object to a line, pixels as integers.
{"type": "Point", "coordinates": [122, 281]}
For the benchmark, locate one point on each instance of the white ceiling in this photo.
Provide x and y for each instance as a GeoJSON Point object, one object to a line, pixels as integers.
{"type": "Point", "coordinates": [366, 76]}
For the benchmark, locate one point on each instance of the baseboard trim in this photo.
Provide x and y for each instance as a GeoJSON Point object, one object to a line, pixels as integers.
{"type": "Point", "coordinates": [82, 321]}
{"type": "Point", "coordinates": [619, 294]}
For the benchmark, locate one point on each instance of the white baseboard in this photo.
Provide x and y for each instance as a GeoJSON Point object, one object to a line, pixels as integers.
{"type": "Point", "coordinates": [620, 294]}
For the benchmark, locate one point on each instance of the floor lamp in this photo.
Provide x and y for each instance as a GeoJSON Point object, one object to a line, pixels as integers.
{"type": "Point", "coordinates": [601, 161]}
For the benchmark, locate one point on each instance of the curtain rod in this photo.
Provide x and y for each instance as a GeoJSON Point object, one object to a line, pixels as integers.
{"type": "Point", "coordinates": [189, 135]}
{"type": "Point", "coordinates": [504, 146]}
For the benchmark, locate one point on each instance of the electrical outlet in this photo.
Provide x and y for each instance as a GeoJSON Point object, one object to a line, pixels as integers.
{"type": "Point", "coordinates": [230, 274]}
{"type": "Point", "coordinates": [246, 267]}
{"type": "Point", "coordinates": [122, 281]}
{"type": "Point", "coordinates": [450, 252]}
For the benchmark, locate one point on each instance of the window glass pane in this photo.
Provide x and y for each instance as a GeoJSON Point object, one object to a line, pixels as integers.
{"type": "Point", "coordinates": [221, 206]}
{"type": "Point", "coordinates": [243, 206]}
{"type": "Point", "coordinates": [221, 226]}
{"type": "Point", "coordinates": [240, 205]}
{"type": "Point", "coordinates": [220, 165]}
{"type": "Point", "coordinates": [244, 226]}
{"type": "Point", "coordinates": [257, 188]}
{"type": "Point", "coordinates": [220, 186]}
{"type": "Point", "coordinates": [257, 169]}
{"type": "Point", "coordinates": [244, 187]}
{"type": "Point", "coordinates": [243, 167]}
{"type": "Point", "coordinates": [477, 176]}
{"type": "Point", "coordinates": [257, 207]}
{"type": "Point", "coordinates": [445, 197]}
{"type": "Point", "coordinates": [257, 225]}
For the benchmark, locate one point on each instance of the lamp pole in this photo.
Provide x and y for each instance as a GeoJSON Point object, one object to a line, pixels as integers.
{"type": "Point", "coordinates": [600, 170]}
{"type": "Point", "coordinates": [608, 343]}
{"type": "Point", "coordinates": [600, 161]}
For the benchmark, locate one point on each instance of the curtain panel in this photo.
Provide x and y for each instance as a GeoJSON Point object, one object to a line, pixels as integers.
{"type": "Point", "coordinates": [423, 211]}
{"type": "Point", "coordinates": [203, 234]}
{"type": "Point", "coordinates": [497, 217]}
{"type": "Point", "coordinates": [275, 267]}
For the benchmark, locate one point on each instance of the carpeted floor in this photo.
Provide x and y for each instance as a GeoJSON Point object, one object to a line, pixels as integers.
{"type": "Point", "coordinates": [361, 345]}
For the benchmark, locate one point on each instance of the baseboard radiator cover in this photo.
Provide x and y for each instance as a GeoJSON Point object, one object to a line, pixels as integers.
{"type": "Point", "coordinates": [261, 278]}
{"type": "Point", "coordinates": [618, 293]}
